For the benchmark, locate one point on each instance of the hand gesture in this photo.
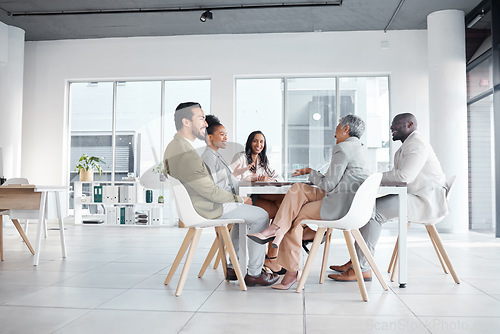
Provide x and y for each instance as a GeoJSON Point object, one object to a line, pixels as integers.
{"type": "Point", "coordinates": [247, 200]}
{"type": "Point", "coordinates": [240, 169]}
{"type": "Point", "coordinates": [302, 171]}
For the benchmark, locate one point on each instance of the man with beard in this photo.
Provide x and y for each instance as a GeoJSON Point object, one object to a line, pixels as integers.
{"type": "Point", "coordinates": [415, 164]}
{"type": "Point", "coordinates": [183, 163]}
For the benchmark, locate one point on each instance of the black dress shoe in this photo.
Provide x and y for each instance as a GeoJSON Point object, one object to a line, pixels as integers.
{"type": "Point", "coordinates": [307, 242]}
{"type": "Point", "coordinates": [231, 274]}
{"type": "Point", "coordinates": [264, 279]}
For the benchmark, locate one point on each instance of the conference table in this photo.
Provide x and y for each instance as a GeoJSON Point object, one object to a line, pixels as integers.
{"type": "Point", "coordinates": [30, 202]}
{"type": "Point", "coordinates": [399, 189]}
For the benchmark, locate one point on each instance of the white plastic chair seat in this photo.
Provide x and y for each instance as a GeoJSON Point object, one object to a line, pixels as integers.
{"type": "Point", "coordinates": [358, 215]}
{"type": "Point", "coordinates": [195, 224]}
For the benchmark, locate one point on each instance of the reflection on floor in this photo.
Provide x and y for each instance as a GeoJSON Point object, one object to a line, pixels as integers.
{"type": "Point", "coordinates": [112, 282]}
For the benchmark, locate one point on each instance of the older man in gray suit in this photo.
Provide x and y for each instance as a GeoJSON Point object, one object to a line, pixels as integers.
{"type": "Point", "coordinates": [415, 164]}
{"type": "Point", "coordinates": [210, 201]}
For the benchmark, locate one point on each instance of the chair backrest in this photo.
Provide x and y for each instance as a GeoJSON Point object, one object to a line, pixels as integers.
{"type": "Point", "coordinates": [449, 183]}
{"type": "Point", "coordinates": [362, 205]}
{"type": "Point", "coordinates": [18, 180]}
{"type": "Point", "coordinates": [185, 208]}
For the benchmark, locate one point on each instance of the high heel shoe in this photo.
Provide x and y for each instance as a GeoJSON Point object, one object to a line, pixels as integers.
{"type": "Point", "coordinates": [260, 238]}
{"type": "Point", "coordinates": [282, 271]}
{"type": "Point", "coordinates": [281, 286]}
{"type": "Point", "coordinates": [307, 242]}
{"type": "Point", "coordinates": [277, 240]}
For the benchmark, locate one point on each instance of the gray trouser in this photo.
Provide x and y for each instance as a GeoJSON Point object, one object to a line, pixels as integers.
{"type": "Point", "coordinates": [386, 209]}
{"type": "Point", "coordinates": [256, 220]}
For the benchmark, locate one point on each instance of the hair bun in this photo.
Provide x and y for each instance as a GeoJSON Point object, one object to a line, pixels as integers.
{"type": "Point", "coordinates": [212, 120]}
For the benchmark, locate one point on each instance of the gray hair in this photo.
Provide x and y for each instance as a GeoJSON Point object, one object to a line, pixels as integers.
{"type": "Point", "coordinates": [356, 125]}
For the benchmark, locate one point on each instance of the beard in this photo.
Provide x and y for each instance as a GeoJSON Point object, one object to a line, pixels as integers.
{"type": "Point", "coordinates": [199, 134]}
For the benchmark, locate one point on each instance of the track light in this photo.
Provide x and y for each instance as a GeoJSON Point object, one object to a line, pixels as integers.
{"type": "Point", "coordinates": [476, 19]}
{"type": "Point", "coordinates": [207, 15]}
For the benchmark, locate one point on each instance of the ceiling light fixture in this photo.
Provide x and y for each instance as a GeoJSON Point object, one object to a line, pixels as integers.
{"type": "Point", "coordinates": [476, 19]}
{"type": "Point", "coordinates": [177, 9]}
{"type": "Point", "coordinates": [207, 15]}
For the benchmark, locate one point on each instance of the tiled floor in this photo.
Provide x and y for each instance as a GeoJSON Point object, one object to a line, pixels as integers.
{"type": "Point", "coordinates": [112, 282]}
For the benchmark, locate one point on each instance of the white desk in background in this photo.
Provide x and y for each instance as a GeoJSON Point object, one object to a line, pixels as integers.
{"type": "Point", "coordinates": [16, 210]}
{"type": "Point", "coordinates": [247, 189]}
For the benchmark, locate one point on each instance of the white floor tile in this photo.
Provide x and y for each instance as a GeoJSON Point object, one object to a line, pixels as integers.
{"type": "Point", "coordinates": [40, 320]}
{"type": "Point", "coordinates": [70, 297]}
{"type": "Point", "coordinates": [127, 322]}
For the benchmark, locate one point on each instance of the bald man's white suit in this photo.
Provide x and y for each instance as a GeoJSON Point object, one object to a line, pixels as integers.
{"type": "Point", "coordinates": [416, 164]}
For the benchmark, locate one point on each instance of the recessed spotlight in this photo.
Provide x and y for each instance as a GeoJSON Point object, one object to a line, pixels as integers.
{"type": "Point", "coordinates": [207, 15]}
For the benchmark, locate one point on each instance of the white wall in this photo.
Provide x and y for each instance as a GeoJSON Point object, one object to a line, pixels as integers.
{"type": "Point", "coordinates": [50, 64]}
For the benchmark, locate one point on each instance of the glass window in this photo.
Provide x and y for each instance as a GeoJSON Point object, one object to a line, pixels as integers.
{"type": "Point", "coordinates": [304, 127]}
{"type": "Point", "coordinates": [368, 97]}
{"type": "Point", "coordinates": [91, 109]}
{"type": "Point", "coordinates": [259, 105]}
{"type": "Point", "coordinates": [311, 119]}
{"type": "Point", "coordinates": [184, 91]}
{"type": "Point", "coordinates": [479, 79]}
{"type": "Point", "coordinates": [481, 165]}
{"type": "Point", "coordinates": [138, 127]}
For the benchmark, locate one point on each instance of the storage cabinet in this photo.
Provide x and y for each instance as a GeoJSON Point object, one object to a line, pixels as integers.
{"type": "Point", "coordinates": [123, 201]}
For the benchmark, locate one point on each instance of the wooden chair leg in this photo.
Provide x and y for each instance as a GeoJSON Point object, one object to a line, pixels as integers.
{"type": "Point", "coordinates": [210, 256]}
{"type": "Point", "coordinates": [180, 254]}
{"type": "Point", "coordinates": [224, 231]}
{"type": "Point", "coordinates": [435, 236]}
{"type": "Point", "coordinates": [395, 267]}
{"type": "Point", "coordinates": [310, 258]}
{"type": "Point", "coordinates": [189, 260]}
{"type": "Point", "coordinates": [21, 232]}
{"type": "Point", "coordinates": [326, 252]}
{"type": "Point", "coordinates": [443, 265]}
{"type": "Point", "coordinates": [1, 237]}
{"type": "Point", "coordinates": [355, 264]}
{"type": "Point", "coordinates": [366, 252]}
{"type": "Point", "coordinates": [393, 257]}
{"type": "Point", "coordinates": [220, 242]}
{"type": "Point", "coordinates": [218, 256]}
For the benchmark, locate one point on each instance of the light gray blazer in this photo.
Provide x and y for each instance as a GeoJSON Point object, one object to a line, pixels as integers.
{"type": "Point", "coordinates": [220, 170]}
{"type": "Point", "coordinates": [348, 170]}
{"type": "Point", "coordinates": [416, 164]}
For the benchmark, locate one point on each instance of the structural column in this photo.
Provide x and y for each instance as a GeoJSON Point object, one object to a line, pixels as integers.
{"type": "Point", "coordinates": [11, 97]}
{"type": "Point", "coordinates": [495, 32]}
{"type": "Point", "coordinates": [448, 108]}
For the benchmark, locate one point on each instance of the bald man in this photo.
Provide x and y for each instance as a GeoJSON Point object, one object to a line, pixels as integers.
{"type": "Point", "coordinates": [416, 164]}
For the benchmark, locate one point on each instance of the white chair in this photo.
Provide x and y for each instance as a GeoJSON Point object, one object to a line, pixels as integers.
{"type": "Point", "coordinates": [435, 239]}
{"type": "Point", "coordinates": [196, 224]}
{"type": "Point", "coordinates": [358, 215]}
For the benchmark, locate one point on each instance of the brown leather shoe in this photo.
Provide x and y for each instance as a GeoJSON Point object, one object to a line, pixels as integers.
{"type": "Point", "coordinates": [342, 268]}
{"type": "Point", "coordinates": [264, 279]}
{"type": "Point", "coordinates": [350, 276]}
{"type": "Point", "coordinates": [231, 274]}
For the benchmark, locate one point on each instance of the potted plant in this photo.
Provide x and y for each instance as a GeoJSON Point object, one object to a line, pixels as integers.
{"type": "Point", "coordinates": [86, 166]}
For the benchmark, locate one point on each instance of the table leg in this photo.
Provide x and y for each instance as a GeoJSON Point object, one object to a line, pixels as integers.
{"type": "Point", "coordinates": [402, 243]}
{"type": "Point", "coordinates": [41, 217]}
{"type": "Point", "coordinates": [61, 222]}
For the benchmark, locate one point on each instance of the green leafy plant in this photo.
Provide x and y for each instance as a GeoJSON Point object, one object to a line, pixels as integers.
{"type": "Point", "coordinates": [87, 163]}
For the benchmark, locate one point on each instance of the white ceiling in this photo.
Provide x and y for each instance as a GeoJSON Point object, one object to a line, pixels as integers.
{"type": "Point", "coordinates": [352, 15]}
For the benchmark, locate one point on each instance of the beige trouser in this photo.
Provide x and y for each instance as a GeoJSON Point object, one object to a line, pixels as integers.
{"type": "Point", "coordinates": [301, 202]}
